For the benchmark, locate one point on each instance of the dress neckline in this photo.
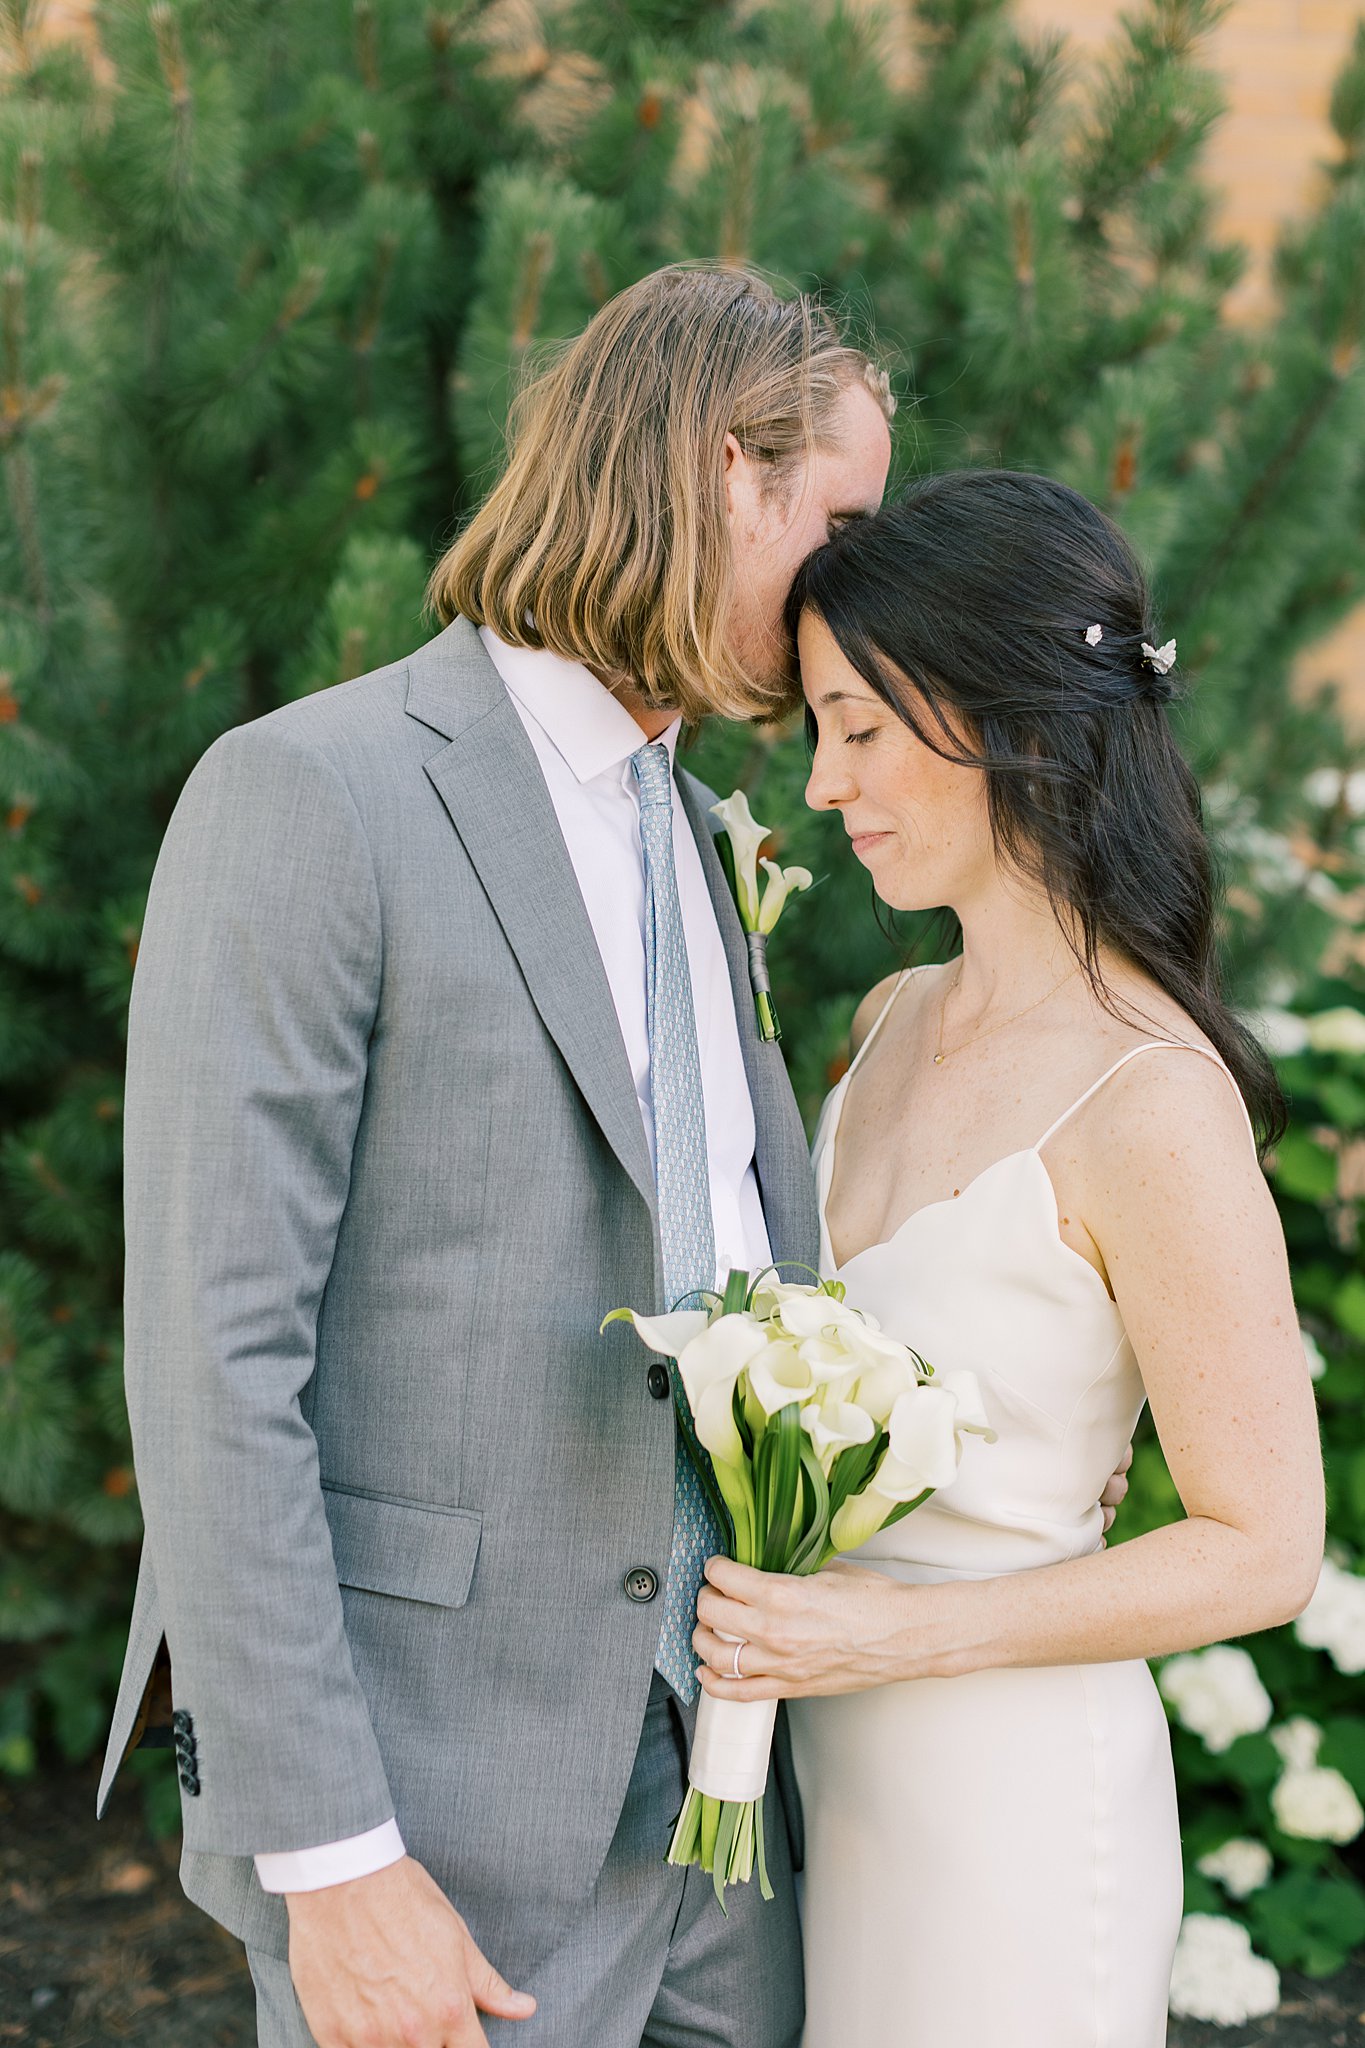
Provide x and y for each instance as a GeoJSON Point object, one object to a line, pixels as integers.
{"type": "Point", "coordinates": [1034, 1151]}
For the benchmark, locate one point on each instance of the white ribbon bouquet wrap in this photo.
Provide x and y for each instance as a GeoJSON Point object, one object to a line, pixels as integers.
{"type": "Point", "coordinates": [810, 1430]}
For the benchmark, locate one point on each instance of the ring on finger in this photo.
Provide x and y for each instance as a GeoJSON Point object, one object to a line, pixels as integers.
{"type": "Point", "coordinates": [736, 1672]}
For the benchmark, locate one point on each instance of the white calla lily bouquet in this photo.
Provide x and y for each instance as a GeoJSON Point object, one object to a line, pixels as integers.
{"type": "Point", "coordinates": [810, 1430]}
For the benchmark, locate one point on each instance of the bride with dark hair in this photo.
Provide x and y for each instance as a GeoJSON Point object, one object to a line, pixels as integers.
{"type": "Point", "coordinates": [1043, 1164]}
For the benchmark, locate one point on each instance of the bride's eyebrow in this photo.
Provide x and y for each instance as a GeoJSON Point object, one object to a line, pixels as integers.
{"type": "Point", "coordinates": [844, 697]}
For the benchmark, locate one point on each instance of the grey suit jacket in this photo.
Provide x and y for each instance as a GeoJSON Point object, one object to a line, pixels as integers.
{"type": "Point", "coordinates": [385, 1174]}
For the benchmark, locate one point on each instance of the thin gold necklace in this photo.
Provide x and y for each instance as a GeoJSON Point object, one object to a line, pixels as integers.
{"type": "Point", "coordinates": [940, 1055]}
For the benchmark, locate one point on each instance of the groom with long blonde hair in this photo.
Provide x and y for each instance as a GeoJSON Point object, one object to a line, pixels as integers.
{"type": "Point", "coordinates": [441, 1046]}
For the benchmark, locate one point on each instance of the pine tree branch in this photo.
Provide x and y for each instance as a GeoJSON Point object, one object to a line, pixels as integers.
{"type": "Point", "coordinates": [1264, 487]}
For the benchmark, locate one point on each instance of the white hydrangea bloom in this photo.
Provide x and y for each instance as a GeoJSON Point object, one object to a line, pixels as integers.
{"type": "Point", "coordinates": [1280, 1031]}
{"type": "Point", "coordinates": [1334, 1619]}
{"type": "Point", "coordinates": [1217, 1975]}
{"type": "Point", "coordinates": [1217, 1694]}
{"type": "Point", "coordinates": [1322, 890]}
{"type": "Point", "coordinates": [1297, 1741]}
{"type": "Point", "coordinates": [1224, 803]}
{"type": "Point", "coordinates": [1341, 1030]}
{"type": "Point", "coordinates": [1325, 788]}
{"type": "Point", "coordinates": [1241, 1865]}
{"type": "Point", "coordinates": [1312, 1351]}
{"type": "Point", "coordinates": [1273, 865]}
{"type": "Point", "coordinates": [1317, 1804]}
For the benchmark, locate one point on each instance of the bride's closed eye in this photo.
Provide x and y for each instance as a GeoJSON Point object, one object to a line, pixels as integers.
{"type": "Point", "coordinates": [858, 739]}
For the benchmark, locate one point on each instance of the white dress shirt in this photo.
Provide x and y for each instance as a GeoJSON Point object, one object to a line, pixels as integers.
{"type": "Point", "coordinates": [583, 740]}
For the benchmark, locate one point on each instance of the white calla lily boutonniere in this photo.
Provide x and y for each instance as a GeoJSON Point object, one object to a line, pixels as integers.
{"type": "Point", "coordinates": [758, 912]}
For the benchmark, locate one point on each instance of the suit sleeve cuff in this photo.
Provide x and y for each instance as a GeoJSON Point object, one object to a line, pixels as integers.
{"type": "Point", "coordinates": [310, 1870]}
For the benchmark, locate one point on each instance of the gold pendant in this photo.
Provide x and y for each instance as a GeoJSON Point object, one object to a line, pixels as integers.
{"type": "Point", "coordinates": [939, 1058]}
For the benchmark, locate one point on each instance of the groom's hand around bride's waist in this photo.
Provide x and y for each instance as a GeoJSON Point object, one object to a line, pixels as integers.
{"type": "Point", "coordinates": [385, 1961]}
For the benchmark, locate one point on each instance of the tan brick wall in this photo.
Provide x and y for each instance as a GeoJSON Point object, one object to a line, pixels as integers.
{"type": "Point", "coordinates": [1278, 59]}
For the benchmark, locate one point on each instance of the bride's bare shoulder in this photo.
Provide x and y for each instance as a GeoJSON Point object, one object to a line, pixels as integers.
{"type": "Point", "coordinates": [876, 999]}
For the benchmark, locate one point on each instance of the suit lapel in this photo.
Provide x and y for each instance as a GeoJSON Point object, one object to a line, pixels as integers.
{"type": "Point", "coordinates": [490, 782]}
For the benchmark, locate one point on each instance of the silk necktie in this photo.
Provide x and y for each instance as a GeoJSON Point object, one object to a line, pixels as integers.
{"type": "Point", "coordinates": [683, 1182]}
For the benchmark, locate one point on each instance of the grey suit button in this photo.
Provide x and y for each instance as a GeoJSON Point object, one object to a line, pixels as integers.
{"type": "Point", "coordinates": [641, 1584]}
{"type": "Point", "coordinates": [658, 1382]}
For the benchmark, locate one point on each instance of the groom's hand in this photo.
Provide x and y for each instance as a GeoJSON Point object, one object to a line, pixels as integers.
{"type": "Point", "coordinates": [1112, 1497]}
{"type": "Point", "coordinates": [385, 1961]}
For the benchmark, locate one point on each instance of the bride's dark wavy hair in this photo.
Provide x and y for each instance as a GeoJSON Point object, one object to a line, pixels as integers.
{"type": "Point", "coordinates": [964, 603]}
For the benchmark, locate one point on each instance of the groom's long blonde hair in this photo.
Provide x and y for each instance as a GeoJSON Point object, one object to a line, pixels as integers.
{"type": "Point", "coordinates": [606, 538]}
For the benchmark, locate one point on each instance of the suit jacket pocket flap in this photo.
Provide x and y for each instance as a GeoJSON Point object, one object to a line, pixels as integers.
{"type": "Point", "coordinates": [391, 1546]}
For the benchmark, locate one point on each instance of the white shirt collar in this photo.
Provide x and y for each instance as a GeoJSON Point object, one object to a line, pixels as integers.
{"type": "Point", "coordinates": [578, 715]}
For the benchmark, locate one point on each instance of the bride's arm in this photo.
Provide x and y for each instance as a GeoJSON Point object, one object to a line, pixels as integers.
{"type": "Point", "coordinates": [1173, 1197]}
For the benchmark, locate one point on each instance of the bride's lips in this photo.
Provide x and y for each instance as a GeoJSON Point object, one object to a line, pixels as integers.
{"type": "Point", "coordinates": [863, 842]}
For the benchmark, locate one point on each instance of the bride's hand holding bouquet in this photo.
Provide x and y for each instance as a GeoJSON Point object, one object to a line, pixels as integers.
{"type": "Point", "coordinates": [810, 1430]}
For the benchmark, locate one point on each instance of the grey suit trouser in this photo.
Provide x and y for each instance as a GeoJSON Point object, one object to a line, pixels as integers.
{"type": "Point", "coordinates": [653, 1962]}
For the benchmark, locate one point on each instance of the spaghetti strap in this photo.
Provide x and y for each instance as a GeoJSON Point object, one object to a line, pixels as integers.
{"type": "Point", "coordinates": [884, 1011]}
{"type": "Point", "coordinates": [1153, 1045]}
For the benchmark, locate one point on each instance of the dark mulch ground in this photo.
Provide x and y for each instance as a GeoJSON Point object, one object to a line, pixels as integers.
{"type": "Point", "coordinates": [98, 1943]}
{"type": "Point", "coordinates": [99, 1946]}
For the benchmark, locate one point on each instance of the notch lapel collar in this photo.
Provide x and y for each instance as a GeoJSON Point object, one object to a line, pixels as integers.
{"type": "Point", "coordinates": [490, 782]}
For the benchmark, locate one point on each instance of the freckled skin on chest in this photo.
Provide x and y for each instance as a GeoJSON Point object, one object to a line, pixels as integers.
{"type": "Point", "coordinates": [912, 1133]}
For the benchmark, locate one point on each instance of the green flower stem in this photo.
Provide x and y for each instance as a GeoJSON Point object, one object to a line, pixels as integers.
{"type": "Point", "coordinates": [710, 1828]}
{"type": "Point", "coordinates": [725, 1838]}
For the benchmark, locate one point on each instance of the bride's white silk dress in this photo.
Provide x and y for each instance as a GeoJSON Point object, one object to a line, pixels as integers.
{"type": "Point", "coordinates": [993, 1860]}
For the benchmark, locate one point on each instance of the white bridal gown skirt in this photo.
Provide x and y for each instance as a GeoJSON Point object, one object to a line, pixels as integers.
{"type": "Point", "coordinates": [992, 1861]}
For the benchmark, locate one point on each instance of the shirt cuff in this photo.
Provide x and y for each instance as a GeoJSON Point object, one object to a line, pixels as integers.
{"type": "Point", "coordinates": [309, 1870]}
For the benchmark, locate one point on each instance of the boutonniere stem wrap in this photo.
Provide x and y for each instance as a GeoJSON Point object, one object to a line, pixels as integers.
{"type": "Point", "coordinates": [739, 851]}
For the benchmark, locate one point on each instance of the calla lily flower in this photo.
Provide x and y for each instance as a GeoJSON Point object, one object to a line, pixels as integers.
{"type": "Point", "coordinates": [828, 1362]}
{"type": "Point", "coordinates": [922, 1455]}
{"type": "Point", "coordinates": [770, 1293]}
{"type": "Point", "coordinates": [833, 1426]}
{"type": "Point", "coordinates": [880, 1386]}
{"type": "Point", "coordinates": [818, 1315]}
{"type": "Point", "coordinates": [669, 1335]}
{"type": "Point", "coordinates": [868, 1341]}
{"type": "Point", "coordinates": [716, 1357]}
{"type": "Point", "coordinates": [782, 882]}
{"type": "Point", "coordinates": [859, 1519]}
{"type": "Point", "coordinates": [746, 837]}
{"type": "Point", "coordinates": [872, 1349]}
{"type": "Point", "coordinates": [924, 1448]}
{"type": "Point", "coordinates": [831, 1393]}
{"type": "Point", "coordinates": [709, 1368]}
{"type": "Point", "coordinates": [965, 1389]}
{"type": "Point", "coordinates": [778, 1376]}
{"type": "Point", "coordinates": [713, 1418]}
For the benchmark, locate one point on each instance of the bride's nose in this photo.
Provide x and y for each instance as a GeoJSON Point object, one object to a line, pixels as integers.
{"type": "Point", "coordinates": [830, 782]}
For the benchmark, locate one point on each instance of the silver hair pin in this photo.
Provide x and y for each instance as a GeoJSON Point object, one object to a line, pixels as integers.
{"type": "Point", "coordinates": [1161, 658]}
{"type": "Point", "coordinates": [1093, 635]}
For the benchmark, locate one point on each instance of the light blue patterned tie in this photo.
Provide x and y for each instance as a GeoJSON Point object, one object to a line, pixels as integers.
{"type": "Point", "coordinates": [684, 1185]}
